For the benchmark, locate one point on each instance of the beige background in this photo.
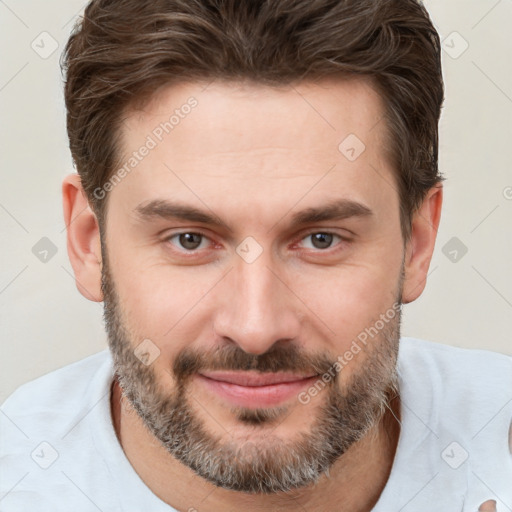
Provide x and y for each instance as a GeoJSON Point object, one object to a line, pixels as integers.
{"type": "Point", "coordinates": [46, 323]}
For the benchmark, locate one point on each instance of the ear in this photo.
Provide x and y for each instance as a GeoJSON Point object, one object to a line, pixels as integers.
{"type": "Point", "coordinates": [83, 238]}
{"type": "Point", "coordinates": [420, 247]}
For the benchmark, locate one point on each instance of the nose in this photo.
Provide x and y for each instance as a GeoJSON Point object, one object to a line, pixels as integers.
{"type": "Point", "coordinates": [257, 308]}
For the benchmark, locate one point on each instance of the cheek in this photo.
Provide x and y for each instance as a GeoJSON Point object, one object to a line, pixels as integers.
{"type": "Point", "coordinates": [163, 304]}
{"type": "Point", "coordinates": [350, 298]}
{"type": "Point", "coordinates": [175, 305]}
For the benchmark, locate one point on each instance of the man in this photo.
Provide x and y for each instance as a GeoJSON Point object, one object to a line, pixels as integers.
{"type": "Point", "coordinates": [257, 195]}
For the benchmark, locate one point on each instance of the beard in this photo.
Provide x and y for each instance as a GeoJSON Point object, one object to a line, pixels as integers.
{"type": "Point", "coordinates": [260, 462]}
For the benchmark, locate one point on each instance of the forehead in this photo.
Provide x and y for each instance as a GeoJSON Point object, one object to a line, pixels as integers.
{"type": "Point", "coordinates": [269, 143]}
{"type": "Point", "coordinates": [252, 113]}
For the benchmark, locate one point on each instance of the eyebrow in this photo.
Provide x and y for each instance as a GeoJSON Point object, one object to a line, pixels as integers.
{"type": "Point", "coordinates": [340, 209]}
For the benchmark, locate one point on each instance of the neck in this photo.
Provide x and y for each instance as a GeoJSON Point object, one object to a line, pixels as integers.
{"type": "Point", "coordinates": [346, 488]}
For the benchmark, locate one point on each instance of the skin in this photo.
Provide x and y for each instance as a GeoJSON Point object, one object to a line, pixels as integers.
{"type": "Point", "coordinates": [254, 156]}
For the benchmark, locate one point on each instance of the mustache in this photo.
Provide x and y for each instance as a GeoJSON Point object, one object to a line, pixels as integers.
{"type": "Point", "coordinates": [232, 358]}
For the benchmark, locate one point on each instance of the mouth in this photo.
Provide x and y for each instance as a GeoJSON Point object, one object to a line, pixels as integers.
{"type": "Point", "coordinates": [253, 389]}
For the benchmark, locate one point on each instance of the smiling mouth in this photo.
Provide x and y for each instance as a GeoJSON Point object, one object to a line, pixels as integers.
{"type": "Point", "coordinates": [252, 389]}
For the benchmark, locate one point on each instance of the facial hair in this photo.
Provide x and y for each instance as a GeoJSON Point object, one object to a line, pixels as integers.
{"type": "Point", "coordinates": [256, 464]}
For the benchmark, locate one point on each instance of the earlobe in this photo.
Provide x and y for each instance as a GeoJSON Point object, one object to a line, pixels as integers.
{"type": "Point", "coordinates": [420, 247]}
{"type": "Point", "coordinates": [83, 238]}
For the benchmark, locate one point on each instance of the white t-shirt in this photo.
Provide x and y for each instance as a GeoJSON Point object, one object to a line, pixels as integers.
{"type": "Point", "coordinates": [59, 451]}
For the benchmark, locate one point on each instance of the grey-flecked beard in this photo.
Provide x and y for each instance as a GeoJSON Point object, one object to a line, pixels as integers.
{"type": "Point", "coordinates": [258, 464]}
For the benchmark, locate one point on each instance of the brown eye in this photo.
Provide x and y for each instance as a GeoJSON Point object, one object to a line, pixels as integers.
{"type": "Point", "coordinates": [321, 240]}
{"type": "Point", "coordinates": [189, 241]}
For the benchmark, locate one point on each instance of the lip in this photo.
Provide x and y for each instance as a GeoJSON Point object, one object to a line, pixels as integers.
{"type": "Point", "coordinates": [251, 389]}
{"type": "Point", "coordinates": [253, 379]}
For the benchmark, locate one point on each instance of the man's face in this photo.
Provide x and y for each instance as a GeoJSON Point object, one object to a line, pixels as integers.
{"type": "Point", "coordinates": [262, 291]}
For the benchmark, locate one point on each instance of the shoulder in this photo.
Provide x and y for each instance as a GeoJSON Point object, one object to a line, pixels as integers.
{"type": "Point", "coordinates": [463, 386]}
{"type": "Point", "coordinates": [45, 402]}
{"type": "Point", "coordinates": [479, 369]}
{"type": "Point", "coordinates": [458, 402]}
{"type": "Point", "coordinates": [45, 426]}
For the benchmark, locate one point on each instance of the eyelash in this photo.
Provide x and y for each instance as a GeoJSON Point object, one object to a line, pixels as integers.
{"type": "Point", "coordinates": [194, 252]}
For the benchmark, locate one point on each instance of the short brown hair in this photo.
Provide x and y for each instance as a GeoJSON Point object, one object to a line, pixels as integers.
{"type": "Point", "coordinates": [122, 51]}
